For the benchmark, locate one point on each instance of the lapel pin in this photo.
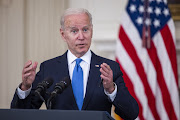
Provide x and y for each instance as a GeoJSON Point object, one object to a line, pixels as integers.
{"type": "Point", "coordinates": [96, 65]}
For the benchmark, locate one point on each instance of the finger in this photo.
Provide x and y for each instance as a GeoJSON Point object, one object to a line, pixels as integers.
{"type": "Point", "coordinates": [105, 67]}
{"type": "Point", "coordinates": [28, 67]}
{"type": "Point", "coordinates": [35, 66]}
{"type": "Point", "coordinates": [106, 81]}
{"type": "Point", "coordinates": [27, 75]}
{"type": "Point", "coordinates": [105, 78]}
{"type": "Point", "coordinates": [27, 64]}
{"type": "Point", "coordinates": [26, 70]}
{"type": "Point", "coordinates": [103, 72]}
{"type": "Point", "coordinates": [106, 72]}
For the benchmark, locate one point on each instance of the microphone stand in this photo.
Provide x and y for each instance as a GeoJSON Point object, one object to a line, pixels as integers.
{"type": "Point", "coordinates": [39, 94]}
{"type": "Point", "coordinates": [59, 87]}
{"type": "Point", "coordinates": [49, 101]}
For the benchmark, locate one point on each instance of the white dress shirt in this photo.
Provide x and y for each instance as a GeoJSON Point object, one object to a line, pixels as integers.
{"type": "Point", "coordinates": [85, 65]}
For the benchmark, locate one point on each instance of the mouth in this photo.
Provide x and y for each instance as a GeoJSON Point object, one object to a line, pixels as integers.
{"type": "Point", "coordinates": [81, 45]}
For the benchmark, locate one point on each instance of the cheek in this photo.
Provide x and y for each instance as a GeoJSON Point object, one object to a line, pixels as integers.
{"type": "Point", "coordinates": [71, 42]}
{"type": "Point", "coordinates": [89, 38]}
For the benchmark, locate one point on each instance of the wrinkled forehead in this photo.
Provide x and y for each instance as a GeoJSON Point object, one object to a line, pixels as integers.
{"type": "Point", "coordinates": [79, 27]}
{"type": "Point", "coordinates": [77, 20]}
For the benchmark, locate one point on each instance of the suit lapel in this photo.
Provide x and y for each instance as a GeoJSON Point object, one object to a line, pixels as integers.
{"type": "Point", "coordinates": [64, 66]}
{"type": "Point", "coordinates": [93, 79]}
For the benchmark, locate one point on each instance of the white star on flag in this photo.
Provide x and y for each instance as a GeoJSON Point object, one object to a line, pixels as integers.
{"type": "Point", "coordinates": [158, 11]}
{"type": "Point", "coordinates": [156, 23]}
{"type": "Point", "coordinates": [132, 8]}
{"type": "Point", "coordinates": [139, 20]}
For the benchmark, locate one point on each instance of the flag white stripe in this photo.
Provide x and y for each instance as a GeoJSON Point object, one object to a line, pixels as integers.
{"type": "Point", "coordinates": [141, 52]}
{"type": "Point", "coordinates": [171, 25]}
{"type": "Point", "coordinates": [130, 70]}
{"type": "Point", "coordinates": [144, 57]}
{"type": "Point", "coordinates": [160, 106]}
{"type": "Point", "coordinates": [167, 71]}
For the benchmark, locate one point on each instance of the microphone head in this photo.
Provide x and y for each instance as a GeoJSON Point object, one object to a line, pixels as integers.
{"type": "Point", "coordinates": [67, 81]}
{"type": "Point", "coordinates": [48, 82]}
{"type": "Point", "coordinates": [41, 87]}
{"type": "Point", "coordinates": [59, 87]}
{"type": "Point", "coordinates": [45, 84]}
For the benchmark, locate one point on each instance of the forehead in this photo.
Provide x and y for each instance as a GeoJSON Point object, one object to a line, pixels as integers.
{"type": "Point", "coordinates": [77, 20]}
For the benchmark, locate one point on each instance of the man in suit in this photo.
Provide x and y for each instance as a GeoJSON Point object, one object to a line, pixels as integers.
{"type": "Point", "coordinates": [102, 82]}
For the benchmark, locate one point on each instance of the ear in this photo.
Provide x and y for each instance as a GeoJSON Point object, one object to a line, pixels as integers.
{"type": "Point", "coordinates": [63, 34]}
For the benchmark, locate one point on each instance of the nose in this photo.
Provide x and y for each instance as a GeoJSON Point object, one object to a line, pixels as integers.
{"type": "Point", "coordinates": [80, 35]}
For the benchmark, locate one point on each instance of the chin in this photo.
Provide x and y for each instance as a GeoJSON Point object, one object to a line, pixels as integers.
{"type": "Point", "coordinates": [82, 52]}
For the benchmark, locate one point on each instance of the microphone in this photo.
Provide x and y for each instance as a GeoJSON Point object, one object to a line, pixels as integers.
{"type": "Point", "coordinates": [58, 89]}
{"type": "Point", "coordinates": [43, 86]}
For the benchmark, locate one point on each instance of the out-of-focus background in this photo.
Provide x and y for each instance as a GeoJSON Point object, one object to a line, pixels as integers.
{"type": "Point", "coordinates": [29, 30]}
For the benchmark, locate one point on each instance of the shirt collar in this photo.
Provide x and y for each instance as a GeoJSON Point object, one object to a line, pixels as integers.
{"type": "Point", "coordinates": [86, 57]}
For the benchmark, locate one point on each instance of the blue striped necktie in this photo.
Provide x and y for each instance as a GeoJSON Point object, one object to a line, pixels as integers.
{"type": "Point", "coordinates": [77, 83]}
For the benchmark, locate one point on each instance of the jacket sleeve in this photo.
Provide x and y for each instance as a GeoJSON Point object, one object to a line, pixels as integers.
{"type": "Point", "coordinates": [125, 105]}
{"type": "Point", "coordinates": [30, 102]}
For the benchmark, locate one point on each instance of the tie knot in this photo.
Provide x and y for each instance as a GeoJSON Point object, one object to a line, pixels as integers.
{"type": "Point", "coordinates": [78, 61]}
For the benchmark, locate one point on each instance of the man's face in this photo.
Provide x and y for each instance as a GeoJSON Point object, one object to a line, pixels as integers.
{"type": "Point", "coordinates": [77, 33]}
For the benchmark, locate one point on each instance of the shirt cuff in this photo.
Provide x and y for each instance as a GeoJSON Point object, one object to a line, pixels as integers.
{"type": "Point", "coordinates": [23, 94]}
{"type": "Point", "coordinates": [113, 94]}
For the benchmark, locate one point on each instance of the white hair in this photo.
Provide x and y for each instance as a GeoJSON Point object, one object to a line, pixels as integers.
{"type": "Point", "coordinates": [73, 11]}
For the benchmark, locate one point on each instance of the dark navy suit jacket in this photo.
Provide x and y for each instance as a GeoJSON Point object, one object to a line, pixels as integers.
{"type": "Point", "coordinates": [95, 98]}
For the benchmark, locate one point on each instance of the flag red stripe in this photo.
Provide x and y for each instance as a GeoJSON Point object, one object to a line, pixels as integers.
{"type": "Point", "coordinates": [160, 79]}
{"type": "Point", "coordinates": [170, 47]}
{"type": "Point", "coordinates": [130, 87]}
{"type": "Point", "coordinates": [140, 70]}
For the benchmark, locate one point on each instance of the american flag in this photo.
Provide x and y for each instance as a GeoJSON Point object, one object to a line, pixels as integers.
{"type": "Point", "coordinates": [147, 57]}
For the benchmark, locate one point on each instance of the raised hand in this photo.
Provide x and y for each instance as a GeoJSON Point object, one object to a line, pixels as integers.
{"type": "Point", "coordinates": [107, 77]}
{"type": "Point", "coordinates": [28, 75]}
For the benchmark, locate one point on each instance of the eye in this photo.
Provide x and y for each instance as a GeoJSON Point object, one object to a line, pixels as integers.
{"type": "Point", "coordinates": [74, 31]}
{"type": "Point", "coordinates": [85, 29]}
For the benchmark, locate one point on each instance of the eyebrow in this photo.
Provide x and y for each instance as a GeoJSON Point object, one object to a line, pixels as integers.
{"type": "Point", "coordinates": [73, 27]}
